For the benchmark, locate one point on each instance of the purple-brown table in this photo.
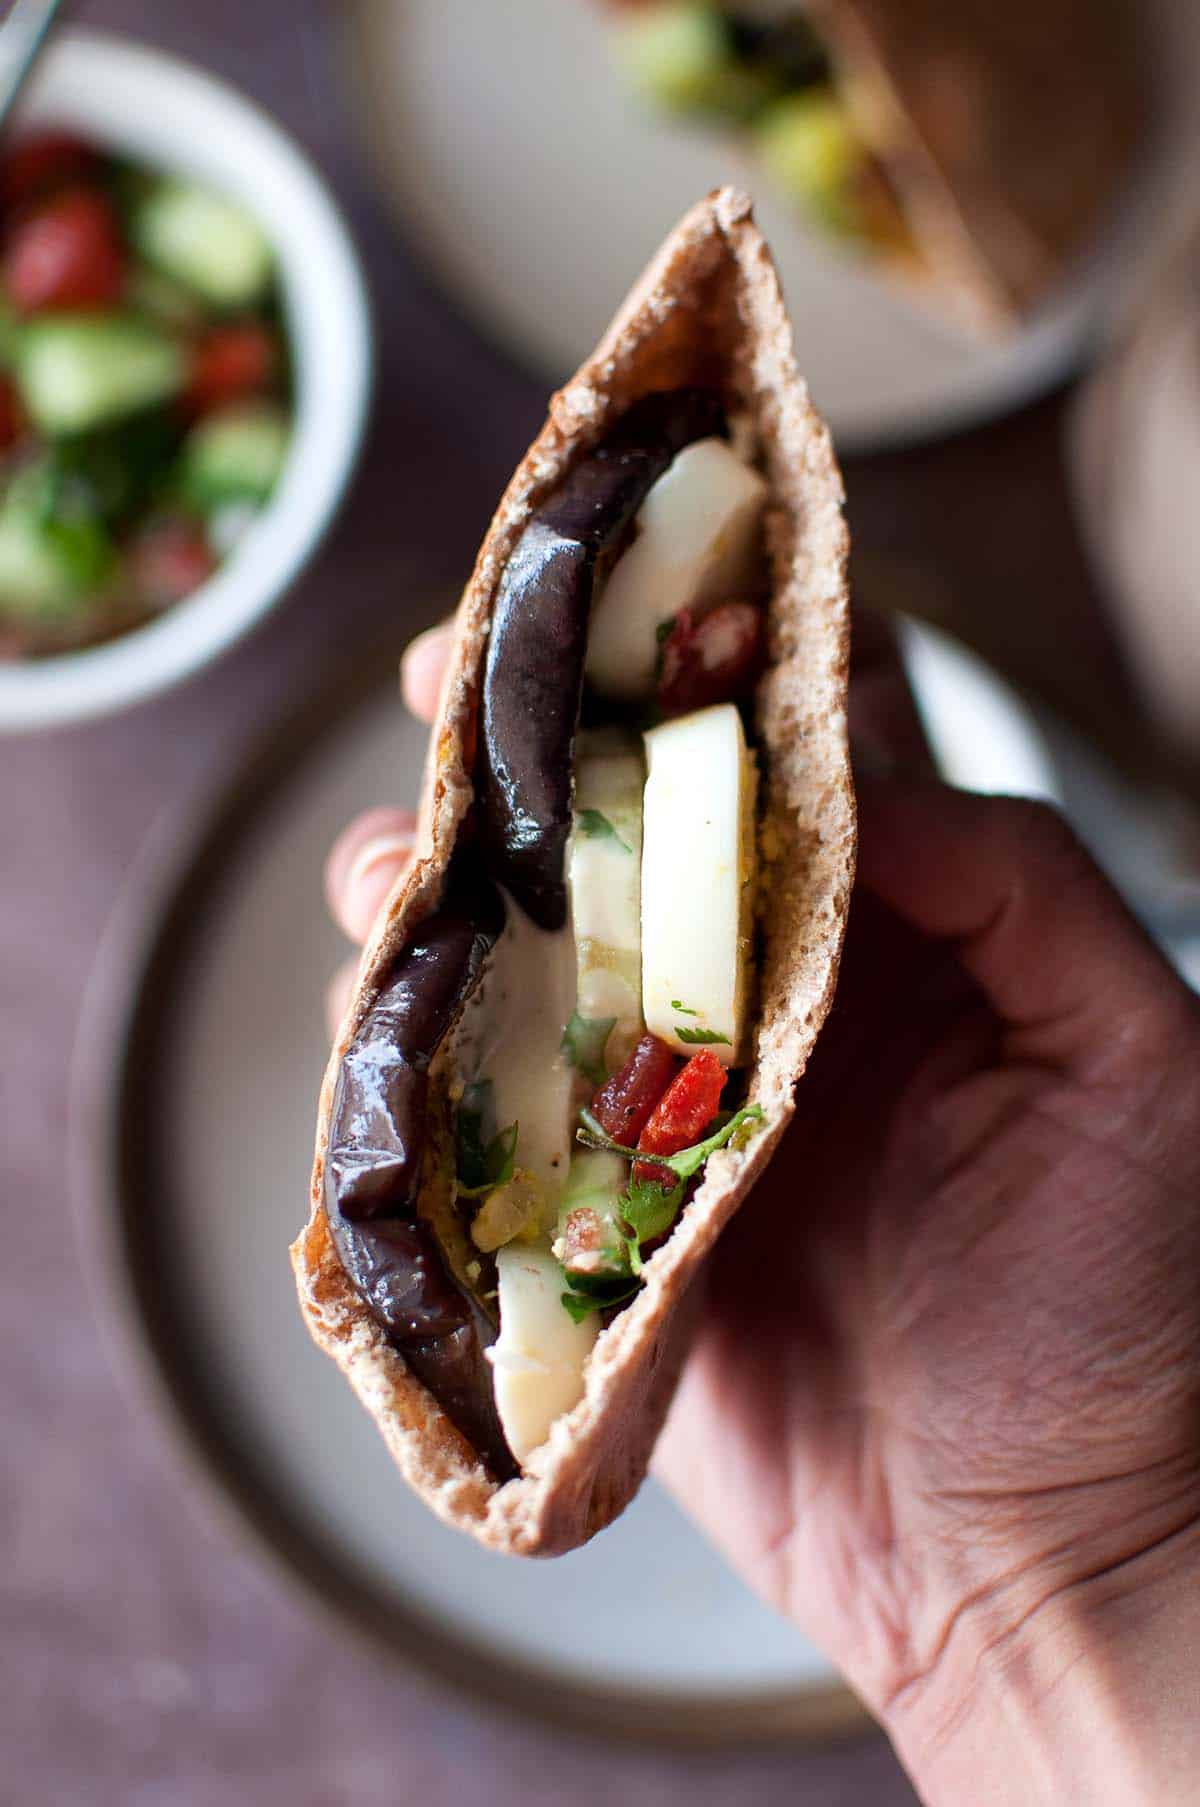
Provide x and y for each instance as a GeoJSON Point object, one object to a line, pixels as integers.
{"type": "Point", "coordinates": [147, 1656]}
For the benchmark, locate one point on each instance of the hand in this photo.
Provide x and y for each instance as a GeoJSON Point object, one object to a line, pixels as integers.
{"type": "Point", "coordinates": [944, 1405]}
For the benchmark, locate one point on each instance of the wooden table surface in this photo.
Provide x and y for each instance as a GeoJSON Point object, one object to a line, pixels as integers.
{"type": "Point", "coordinates": [147, 1655]}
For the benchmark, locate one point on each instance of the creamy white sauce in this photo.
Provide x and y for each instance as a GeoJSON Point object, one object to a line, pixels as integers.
{"type": "Point", "coordinates": [511, 1033]}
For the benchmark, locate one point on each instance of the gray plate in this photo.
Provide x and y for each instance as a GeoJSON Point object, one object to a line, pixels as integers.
{"type": "Point", "coordinates": [201, 1055]}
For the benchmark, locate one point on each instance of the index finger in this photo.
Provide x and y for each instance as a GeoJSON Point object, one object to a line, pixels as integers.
{"type": "Point", "coordinates": [1035, 921]}
{"type": "Point", "coordinates": [422, 668]}
{"type": "Point", "coordinates": [886, 730]}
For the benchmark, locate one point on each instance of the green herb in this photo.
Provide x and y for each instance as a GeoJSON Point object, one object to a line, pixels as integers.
{"type": "Point", "coordinates": [648, 1208]}
{"type": "Point", "coordinates": [595, 826]}
{"type": "Point", "coordinates": [684, 1164]}
{"type": "Point", "coordinates": [583, 1043]}
{"type": "Point", "coordinates": [482, 1165]}
{"type": "Point", "coordinates": [473, 1123]}
{"type": "Point", "coordinates": [662, 632]}
{"type": "Point", "coordinates": [588, 1295]}
{"type": "Point", "coordinates": [695, 1037]}
{"type": "Point", "coordinates": [498, 1160]}
{"type": "Point", "coordinates": [682, 1008]}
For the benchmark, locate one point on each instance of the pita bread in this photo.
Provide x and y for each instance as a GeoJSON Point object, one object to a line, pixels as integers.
{"type": "Point", "coordinates": [1006, 129]}
{"type": "Point", "coordinates": [707, 311]}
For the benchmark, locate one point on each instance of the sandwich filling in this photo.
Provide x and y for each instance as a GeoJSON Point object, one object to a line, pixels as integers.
{"type": "Point", "coordinates": [768, 73]}
{"type": "Point", "coordinates": [549, 1063]}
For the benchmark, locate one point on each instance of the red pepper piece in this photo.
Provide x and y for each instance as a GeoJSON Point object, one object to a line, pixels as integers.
{"type": "Point", "coordinates": [228, 363]}
{"type": "Point", "coordinates": [169, 559]}
{"type": "Point", "coordinates": [682, 1114]}
{"type": "Point", "coordinates": [68, 254]}
{"type": "Point", "coordinates": [624, 1103]}
{"type": "Point", "coordinates": [43, 161]}
{"type": "Point", "coordinates": [713, 658]}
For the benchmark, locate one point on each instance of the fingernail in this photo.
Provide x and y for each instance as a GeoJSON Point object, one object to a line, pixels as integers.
{"type": "Point", "coordinates": [372, 874]}
{"type": "Point", "coordinates": [422, 666]}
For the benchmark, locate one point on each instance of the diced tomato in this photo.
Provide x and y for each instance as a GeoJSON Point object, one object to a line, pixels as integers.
{"type": "Point", "coordinates": [683, 1113]}
{"type": "Point", "coordinates": [12, 414]}
{"type": "Point", "coordinates": [712, 658]}
{"type": "Point", "coordinates": [624, 1103]}
{"type": "Point", "coordinates": [68, 254]}
{"type": "Point", "coordinates": [36, 165]}
{"type": "Point", "coordinates": [169, 560]}
{"type": "Point", "coordinates": [229, 363]}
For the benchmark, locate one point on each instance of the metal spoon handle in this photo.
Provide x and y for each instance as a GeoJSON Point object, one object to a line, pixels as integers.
{"type": "Point", "coordinates": [21, 38]}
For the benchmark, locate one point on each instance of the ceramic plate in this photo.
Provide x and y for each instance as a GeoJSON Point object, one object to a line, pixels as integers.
{"type": "Point", "coordinates": [201, 1056]}
{"type": "Point", "coordinates": [537, 188]}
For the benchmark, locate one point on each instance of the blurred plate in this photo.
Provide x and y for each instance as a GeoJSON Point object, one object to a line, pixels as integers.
{"type": "Point", "coordinates": [201, 1053]}
{"type": "Point", "coordinates": [536, 188]}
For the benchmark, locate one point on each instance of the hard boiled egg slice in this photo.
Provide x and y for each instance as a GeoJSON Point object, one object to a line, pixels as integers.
{"type": "Point", "coordinates": [698, 857]}
{"type": "Point", "coordinates": [697, 540]}
{"type": "Point", "coordinates": [539, 1356]}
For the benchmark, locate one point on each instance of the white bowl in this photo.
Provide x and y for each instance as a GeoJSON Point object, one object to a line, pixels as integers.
{"type": "Point", "coordinates": [151, 107]}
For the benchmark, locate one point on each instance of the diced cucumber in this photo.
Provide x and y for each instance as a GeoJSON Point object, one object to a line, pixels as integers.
{"type": "Point", "coordinates": [206, 242]}
{"type": "Point", "coordinates": [680, 56]}
{"type": "Point", "coordinates": [81, 371]}
{"type": "Point", "coordinates": [33, 583]}
{"type": "Point", "coordinates": [597, 1182]}
{"type": "Point", "coordinates": [51, 564]}
{"type": "Point", "coordinates": [675, 54]}
{"type": "Point", "coordinates": [235, 456]}
{"type": "Point", "coordinates": [161, 299]}
{"type": "Point", "coordinates": [809, 147]}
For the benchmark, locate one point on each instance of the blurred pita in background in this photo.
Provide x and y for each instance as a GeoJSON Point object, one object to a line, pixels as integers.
{"type": "Point", "coordinates": [1136, 469]}
{"type": "Point", "coordinates": [970, 149]}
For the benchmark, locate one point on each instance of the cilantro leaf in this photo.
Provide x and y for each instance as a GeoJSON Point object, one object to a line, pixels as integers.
{"type": "Point", "coordinates": [583, 1042]}
{"type": "Point", "coordinates": [474, 1119]}
{"type": "Point", "coordinates": [595, 826]}
{"type": "Point", "coordinates": [497, 1163]}
{"type": "Point", "coordinates": [697, 1037]}
{"type": "Point", "coordinates": [649, 1210]}
{"type": "Point", "coordinates": [689, 1160]}
{"type": "Point", "coordinates": [678, 1005]}
{"type": "Point", "coordinates": [599, 1295]}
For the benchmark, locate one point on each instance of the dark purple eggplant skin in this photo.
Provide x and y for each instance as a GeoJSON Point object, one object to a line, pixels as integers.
{"type": "Point", "coordinates": [398, 1270]}
{"type": "Point", "coordinates": [373, 1165]}
{"type": "Point", "coordinates": [377, 1135]}
{"type": "Point", "coordinates": [533, 686]}
{"type": "Point", "coordinates": [533, 677]}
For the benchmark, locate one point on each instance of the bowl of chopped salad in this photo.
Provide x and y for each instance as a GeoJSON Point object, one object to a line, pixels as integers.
{"type": "Point", "coordinates": [184, 372]}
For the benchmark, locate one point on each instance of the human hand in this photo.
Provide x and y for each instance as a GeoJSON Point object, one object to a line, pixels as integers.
{"type": "Point", "coordinates": [944, 1405]}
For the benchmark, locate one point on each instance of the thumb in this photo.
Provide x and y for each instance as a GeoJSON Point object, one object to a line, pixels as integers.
{"type": "Point", "coordinates": [1038, 926]}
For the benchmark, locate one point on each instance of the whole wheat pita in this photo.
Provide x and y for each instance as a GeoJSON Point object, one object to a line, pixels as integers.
{"type": "Point", "coordinates": [707, 311]}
